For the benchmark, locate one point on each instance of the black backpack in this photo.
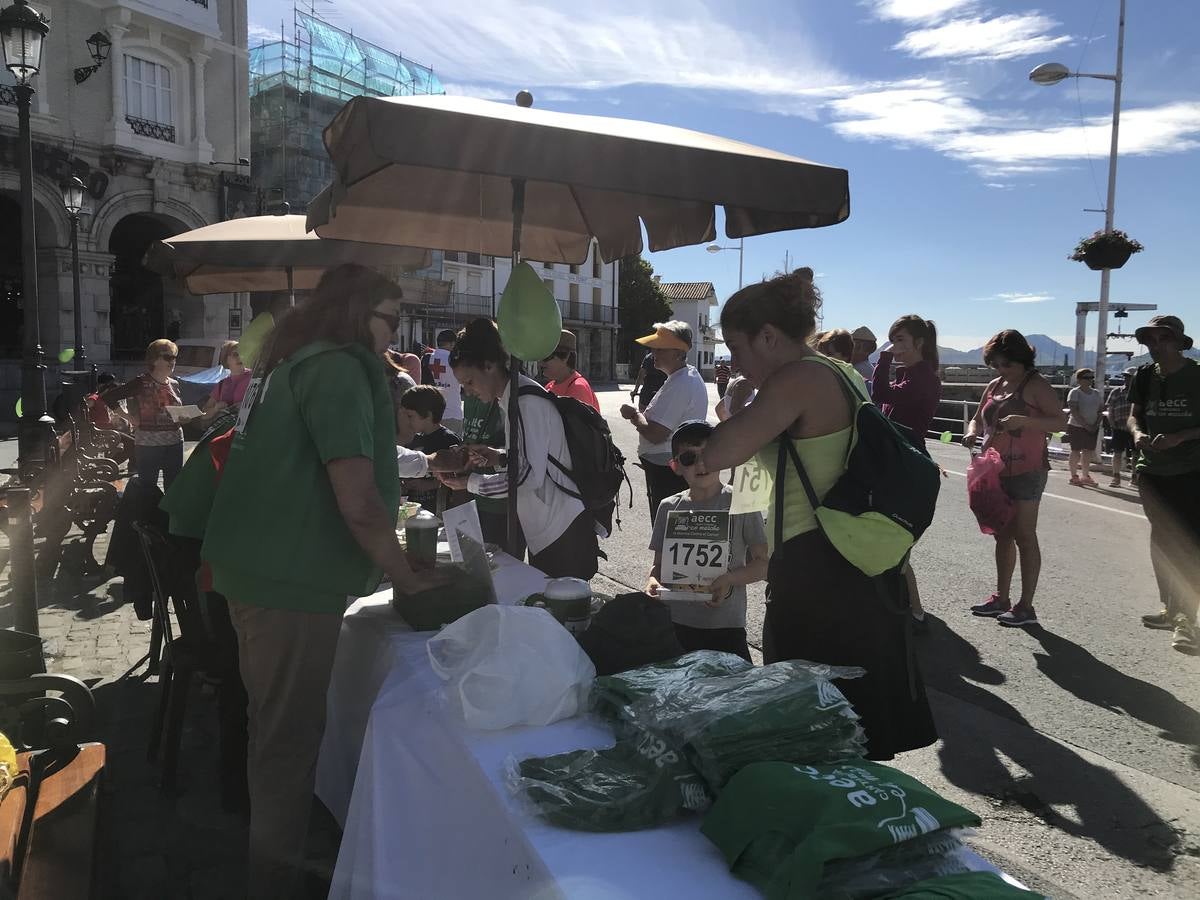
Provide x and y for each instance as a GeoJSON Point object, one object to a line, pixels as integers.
{"type": "Point", "coordinates": [597, 466]}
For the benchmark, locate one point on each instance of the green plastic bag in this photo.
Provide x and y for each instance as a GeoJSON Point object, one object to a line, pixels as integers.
{"type": "Point", "coordinates": [779, 824]}
{"type": "Point", "coordinates": [965, 886]}
{"type": "Point", "coordinates": [634, 785]}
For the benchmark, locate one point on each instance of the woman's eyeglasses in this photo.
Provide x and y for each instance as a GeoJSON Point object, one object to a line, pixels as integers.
{"type": "Point", "coordinates": [688, 457]}
{"type": "Point", "coordinates": [393, 322]}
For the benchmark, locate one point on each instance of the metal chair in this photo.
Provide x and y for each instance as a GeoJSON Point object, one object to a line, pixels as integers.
{"type": "Point", "coordinates": [182, 655]}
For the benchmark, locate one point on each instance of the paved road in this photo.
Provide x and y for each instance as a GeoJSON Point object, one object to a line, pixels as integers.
{"type": "Point", "coordinates": [1078, 743]}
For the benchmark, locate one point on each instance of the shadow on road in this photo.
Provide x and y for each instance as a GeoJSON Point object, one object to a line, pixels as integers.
{"type": "Point", "coordinates": [1129, 497]}
{"type": "Point", "coordinates": [1076, 670]}
{"type": "Point", "coordinates": [976, 751]}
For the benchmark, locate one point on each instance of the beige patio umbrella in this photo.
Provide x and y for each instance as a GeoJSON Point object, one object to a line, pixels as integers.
{"type": "Point", "coordinates": [455, 173]}
{"type": "Point", "coordinates": [266, 253]}
{"type": "Point", "coordinates": [450, 166]}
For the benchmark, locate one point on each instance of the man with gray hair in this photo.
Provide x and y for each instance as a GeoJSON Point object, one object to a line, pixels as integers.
{"type": "Point", "coordinates": [682, 398]}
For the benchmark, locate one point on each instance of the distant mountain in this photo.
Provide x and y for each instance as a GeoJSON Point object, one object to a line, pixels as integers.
{"type": "Point", "coordinates": [1145, 357]}
{"type": "Point", "coordinates": [1049, 352]}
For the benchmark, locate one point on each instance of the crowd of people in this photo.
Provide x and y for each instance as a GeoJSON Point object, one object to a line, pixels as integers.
{"type": "Point", "coordinates": [331, 406]}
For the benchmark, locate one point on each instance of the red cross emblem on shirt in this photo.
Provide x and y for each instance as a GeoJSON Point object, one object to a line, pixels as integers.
{"type": "Point", "coordinates": [436, 367]}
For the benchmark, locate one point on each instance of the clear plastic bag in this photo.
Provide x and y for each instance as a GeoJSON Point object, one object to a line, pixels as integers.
{"type": "Point", "coordinates": [636, 784]}
{"type": "Point", "coordinates": [511, 665]}
{"type": "Point", "coordinates": [892, 868]}
{"type": "Point", "coordinates": [684, 728]}
{"type": "Point", "coordinates": [787, 711]}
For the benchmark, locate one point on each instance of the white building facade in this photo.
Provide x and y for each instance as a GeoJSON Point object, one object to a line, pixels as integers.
{"type": "Point", "coordinates": [586, 295]}
{"type": "Point", "coordinates": [695, 302]}
{"type": "Point", "coordinates": [142, 132]}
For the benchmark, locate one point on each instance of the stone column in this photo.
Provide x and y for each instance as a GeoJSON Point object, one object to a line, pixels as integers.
{"type": "Point", "coordinates": [117, 126]}
{"type": "Point", "coordinates": [203, 147]}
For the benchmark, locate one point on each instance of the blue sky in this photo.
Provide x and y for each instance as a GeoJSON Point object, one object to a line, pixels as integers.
{"type": "Point", "coordinates": [968, 183]}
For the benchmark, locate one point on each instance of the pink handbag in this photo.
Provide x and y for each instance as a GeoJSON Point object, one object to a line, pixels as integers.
{"type": "Point", "coordinates": [993, 508]}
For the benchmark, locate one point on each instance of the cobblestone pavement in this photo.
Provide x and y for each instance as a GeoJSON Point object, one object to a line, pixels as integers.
{"type": "Point", "coordinates": [151, 846]}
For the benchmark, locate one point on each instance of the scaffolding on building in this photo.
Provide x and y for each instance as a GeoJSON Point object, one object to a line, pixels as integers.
{"type": "Point", "coordinates": [297, 85]}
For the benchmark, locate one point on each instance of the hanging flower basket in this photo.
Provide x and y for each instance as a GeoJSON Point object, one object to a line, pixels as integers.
{"type": "Point", "coordinates": [1106, 250]}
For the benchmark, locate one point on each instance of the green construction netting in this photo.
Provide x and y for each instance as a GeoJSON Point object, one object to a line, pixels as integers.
{"type": "Point", "coordinates": [336, 64]}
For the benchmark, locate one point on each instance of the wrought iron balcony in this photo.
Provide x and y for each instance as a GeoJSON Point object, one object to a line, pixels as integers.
{"type": "Point", "coordinates": [156, 130]}
{"type": "Point", "coordinates": [579, 311]}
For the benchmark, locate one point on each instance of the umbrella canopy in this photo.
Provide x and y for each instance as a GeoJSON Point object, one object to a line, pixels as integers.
{"type": "Point", "coordinates": [448, 165]}
{"type": "Point", "coordinates": [256, 254]}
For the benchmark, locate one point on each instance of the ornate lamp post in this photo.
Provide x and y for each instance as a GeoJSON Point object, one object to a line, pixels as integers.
{"type": "Point", "coordinates": [73, 202]}
{"type": "Point", "coordinates": [22, 33]}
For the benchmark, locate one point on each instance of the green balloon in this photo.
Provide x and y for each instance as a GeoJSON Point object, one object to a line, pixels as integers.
{"type": "Point", "coordinates": [947, 437]}
{"type": "Point", "coordinates": [65, 356]}
{"type": "Point", "coordinates": [529, 319]}
{"type": "Point", "coordinates": [20, 408]}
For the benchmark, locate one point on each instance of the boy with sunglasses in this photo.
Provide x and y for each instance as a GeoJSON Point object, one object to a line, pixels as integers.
{"type": "Point", "coordinates": [737, 557]}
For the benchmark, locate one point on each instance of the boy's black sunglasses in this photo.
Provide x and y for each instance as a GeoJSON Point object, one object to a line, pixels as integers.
{"type": "Point", "coordinates": [688, 457]}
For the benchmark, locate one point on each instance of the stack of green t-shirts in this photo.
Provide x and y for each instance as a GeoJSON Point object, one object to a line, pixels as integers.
{"type": "Point", "coordinates": [895, 866]}
{"type": "Point", "coordinates": [966, 886]}
{"type": "Point", "coordinates": [612, 695]}
{"type": "Point", "coordinates": [636, 784]}
{"type": "Point", "coordinates": [683, 729]}
{"type": "Point", "coordinates": [779, 825]}
{"type": "Point", "coordinates": [787, 711]}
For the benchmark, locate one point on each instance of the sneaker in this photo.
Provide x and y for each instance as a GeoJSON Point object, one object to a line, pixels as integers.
{"type": "Point", "coordinates": [1185, 640]}
{"type": "Point", "coordinates": [1116, 482]}
{"type": "Point", "coordinates": [1018, 617]}
{"type": "Point", "coordinates": [1160, 621]}
{"type": "Point", "coordinates": [994, 607]}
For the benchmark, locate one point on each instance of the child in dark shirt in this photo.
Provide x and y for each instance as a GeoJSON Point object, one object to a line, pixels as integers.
{"type": "Point", "coordinates": [422, 407]}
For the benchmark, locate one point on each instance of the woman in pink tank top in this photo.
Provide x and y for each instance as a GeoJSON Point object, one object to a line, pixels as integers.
{"type": "Point", "coordinates": [1018, 413]}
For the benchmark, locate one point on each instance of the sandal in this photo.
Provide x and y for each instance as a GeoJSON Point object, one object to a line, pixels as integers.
{"type": "Point", "coordinates": [1088, 482]}
{"type": "Point", "coordinates": [1075, 479]}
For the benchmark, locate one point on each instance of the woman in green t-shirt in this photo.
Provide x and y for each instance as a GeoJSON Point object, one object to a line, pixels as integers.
{"type": "Point", "coordinates": [303, 517]}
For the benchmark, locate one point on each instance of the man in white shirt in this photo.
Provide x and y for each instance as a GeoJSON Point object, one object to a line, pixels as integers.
{"type": "Point", "coordinates": [442, 376]}
{"type": "Point", "coordinates": [682, 398]}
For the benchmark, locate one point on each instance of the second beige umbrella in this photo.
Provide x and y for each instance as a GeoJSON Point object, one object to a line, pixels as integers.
{"type": "Point", "coordinates": [267, 253]}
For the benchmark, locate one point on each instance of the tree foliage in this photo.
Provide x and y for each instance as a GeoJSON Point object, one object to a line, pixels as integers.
{"type": "Point", "coordinates": [641, 305]}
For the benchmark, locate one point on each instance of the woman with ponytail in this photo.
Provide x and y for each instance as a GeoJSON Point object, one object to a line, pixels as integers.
{"type": "Point", "coordinates": [820, 607]}
{"type": "Point", "coordinates": [911, 398]}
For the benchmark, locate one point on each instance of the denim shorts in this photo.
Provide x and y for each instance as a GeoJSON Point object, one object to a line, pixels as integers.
{"type": "Point", "coordinates": [1026, 486]}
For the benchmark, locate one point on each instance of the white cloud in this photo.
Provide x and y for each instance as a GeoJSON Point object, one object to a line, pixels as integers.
{"type": "Point", "coordinates": [1000, 143]}
{"type": "Point", "coordinates": [921, 111]}
{"type": "Point", "coordinates": [1024, 298]}
{"type": "Point", "coordinates": [1003, 37]}
{"type": "Point", "coordinates": [527, 43]}
{"type": "Point", "coordinates": [1171, 128]}
{"type": "Point", "coordinates": [257, 34]}
{"type": "Point", "coordinates": [917, 10]}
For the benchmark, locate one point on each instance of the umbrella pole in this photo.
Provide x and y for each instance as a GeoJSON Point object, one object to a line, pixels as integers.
{"type": "Point", "coordinates": [291, 287]}
{"type": "Point", "coordinates": [514, 381]}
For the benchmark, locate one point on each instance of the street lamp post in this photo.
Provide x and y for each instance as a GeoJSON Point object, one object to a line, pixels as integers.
{"type": "Point", "coordinates": [1053, 73]}
{"type": "Point", "coordinates": [73, 201]}
{"type": "Point", "coordinates": [741, 251]}
{"type": "Point", "coordinates": [22, 33]}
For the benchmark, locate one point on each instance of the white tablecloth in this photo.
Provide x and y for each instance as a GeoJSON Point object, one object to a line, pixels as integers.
{"type": "Point", "coordinates": [421, 798]}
